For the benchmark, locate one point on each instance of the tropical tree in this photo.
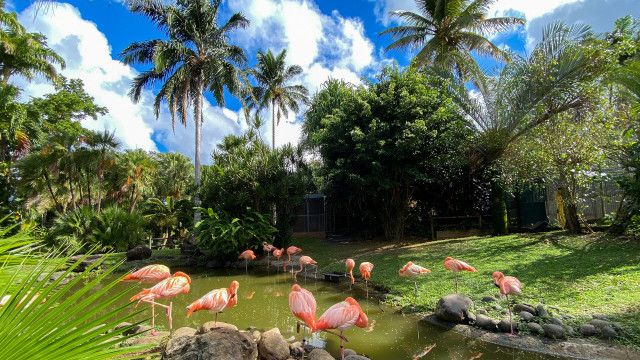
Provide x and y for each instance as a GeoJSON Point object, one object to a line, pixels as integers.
{"type": "Point", "coordinates": [273, 77]}
{"type": "Point", "coordinates": [163, 214]}
{"type": "Point", "coordinates": [135, 174]}
{"type": "Point", "coordinates": [557, 77]}
{"type": "Point", "coordinates": [447, 32]}
{"type": "Point", "coordinates": [174, 176]}
{"type": "Point", "coordinates": [194, 58]}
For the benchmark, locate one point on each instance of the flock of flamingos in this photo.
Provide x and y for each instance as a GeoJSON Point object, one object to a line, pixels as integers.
{"type": "Point", "coordinates": [340, 316]}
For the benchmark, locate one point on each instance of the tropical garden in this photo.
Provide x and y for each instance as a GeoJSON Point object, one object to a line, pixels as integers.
{"type": "Point", "coordinates": [440, 137]}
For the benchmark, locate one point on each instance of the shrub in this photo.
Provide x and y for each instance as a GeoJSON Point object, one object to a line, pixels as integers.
{"type": "Point", "coordinates": [221, 235]}
{"type": "Point", "coordinates": [119, 230]}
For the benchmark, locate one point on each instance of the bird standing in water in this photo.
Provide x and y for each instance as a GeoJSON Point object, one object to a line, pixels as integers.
{"type": "Point", "coordinates": [291, 250]}
{"type": "Point", "coordinates": [247, 255]}
{"type": "Point", "coordinates": [304, 261]}
{"type": "Point", "coordinates": [216, 300]}
{"type": "Point", "coordinates": [342, 316]}
{"type": "Point", "coordinates": [149, 274]}
{"type": "Point", "coordinates": [303, 306]}
{"type": "Point", "coordinates": [508, 285]}
{"type": "Point", "coordinates": [179, 283]}
{"type": "Point", "coordinates": [413, 270]}
{"type": "Point", "coordinates": [268, 248]}
{"type": "Point", "coordinates": [365, 272]}
{"type": "Point", "coordinates": [350, 264]}
{"type": "Point", "coordinates": [277, 253]}
{"type": "Point", "coordinates": [456, 266]}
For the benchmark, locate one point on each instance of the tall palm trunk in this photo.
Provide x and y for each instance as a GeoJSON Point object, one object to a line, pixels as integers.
{"type": "Point", "coordinates": [198, 122]}
{"type": "Point", "coordinates": [273, 124]}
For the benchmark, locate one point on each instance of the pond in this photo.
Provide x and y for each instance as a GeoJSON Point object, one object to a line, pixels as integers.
{"type": "Point", "coordinates": [263, 303]}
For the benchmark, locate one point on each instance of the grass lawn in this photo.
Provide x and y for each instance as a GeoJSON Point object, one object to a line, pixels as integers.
{"type": "Point", "coordinates": [580, 275]}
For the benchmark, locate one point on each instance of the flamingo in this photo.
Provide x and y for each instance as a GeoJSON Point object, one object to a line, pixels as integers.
{"type": "Point", "coordinates": [291, 250]}
{"type": "Point", "coordinates": [268, 248]}
{"type": "Point", "coordinates": [247, 255]}
{"type": "Point", "coordinates": [413, 270]}
{"type": "Point", "coordinates": [303, 306]}
{"type": "Point", "coordinates": [179, 283]}
{"type": "Point", "coordinates": [365, 272]}
{"type": "Point", "coordinates": [277, 253]}
{"type": "Point", "coordinates": [342, 316]}
{"type": "Point", "coordinates": [350, 265]}
{"type": "Point", "coordinates": [149, 274]}
{"type": "Point", "coordinates": [508, 285]}
{"type": "Point", "coordinates": [304, 261]}
{"type": "Point", "coordinates": [456, 266]}
{"type": "Point", "coordinates": [216, 300]}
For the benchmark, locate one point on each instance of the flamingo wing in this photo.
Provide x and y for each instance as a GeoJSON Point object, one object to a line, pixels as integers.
{"type": "Point", "coordinates": [303, 306]}
{"type": "Point", "coordinates": [340, 316]}
{"type": "Point", "coordinates": [149, 273]}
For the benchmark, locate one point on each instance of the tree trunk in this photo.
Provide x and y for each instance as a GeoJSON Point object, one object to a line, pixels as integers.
{"type": "Point", "coordinates": [572, 221]}
{"type": "Point", "coordinates": [73, 195]}
{"type": "Point", "coordinates": [499, 214]}
{"type": "Point", "coordinates": [273, 124]}
{"type": "Point", "coordinates": [53, 196]}
{"type": "Point", "coordinates": [198, 124]}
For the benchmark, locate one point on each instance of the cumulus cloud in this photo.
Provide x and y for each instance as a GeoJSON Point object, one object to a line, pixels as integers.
{"type": "Point", "coordinates": [88, 57]}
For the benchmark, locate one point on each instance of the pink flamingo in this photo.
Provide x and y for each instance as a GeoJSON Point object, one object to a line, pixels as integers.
{"type": "Point", "coordinates": [413, 270]}
{"type": "Point", "coordinates": [508, 285]}
{"type": "Point", "coordinates": [216, 300]}
{"type": "Point", "coordinates": [247, 255]}
{"type": "Point", "coordinates": [179, 283]}
{"type": "Point", "coordinates": [268, 248]}
{"type": "Point", "coordinates": [456, 266]}
{"type": "Point", "coordinates": [277, 253]}
{"type": "Point", "coordinates": [342, 316]}
{"type": "Point", "coordinates": [304, 261]}
{"type": "Point", "coordinates": [291, 250]}
{"type": "Point", "coordinates": [350, 264]}
{"type": "Point", "coordinates": [303, 306]}
{"type": "Point", "coordinates": [149, 274]}
{"type": "Point", "coordinates": [365, 272]}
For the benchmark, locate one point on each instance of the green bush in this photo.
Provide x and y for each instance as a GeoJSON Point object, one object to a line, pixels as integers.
{"type": "Point", "coordinates": [221, 235]}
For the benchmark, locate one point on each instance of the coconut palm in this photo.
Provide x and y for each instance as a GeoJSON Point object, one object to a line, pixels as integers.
{"type": "Point", "coordinates": [448, 31]}
{"type": "Point", "coordinates": [195, 57]}
{"type": "Point", "coordinates": [526, 93]}
{"type": "Point", "coordinates": [103, 145]}
{"type": "Point", "coordinates": [273, 77]}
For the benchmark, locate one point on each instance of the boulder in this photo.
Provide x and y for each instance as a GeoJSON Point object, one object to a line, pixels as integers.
{"type": "Point", "coordinates": [320, 354]}
{"type": "Point", "coordinates": [608, 332]}
{"type": "Point", "coordinates": [526, 316]}
{"type": "Point", "coordinates": [599, 324]}
{"type": "Point", "coordinates": [184, 331]}
{"type": "Point", "coordinates": [356, 357]}
{"type": "Point", "coordinates": [154, 341]}
{"type": "Point", "coordinates": [272, 346]}
{"type": "Point", "coordinates": [535, 328]}
{"type": "Point", "coordinates": [488, 299]}
{"type": "Point", "coordinates": [140, 252]}
{"type": "Point", "coordinates": [481, 312]}
{"type": "Point", "coordinates": [554, 331]}
{"type": "Point", "coordinates": [541, 311]}
{"type": "Point", "coordinates": [505, 326]}
{"type": "Point", "coordinates": [486, 323]}
{"type": "Point", "coordinates": [210, 325]}
{"type": "Point", "coordinates": [296, 350]}
{"type": "Point", "coordinates": [134, 329]}
{"type": "Point", "coordinates": [524, 307]}
{"type": "Point", "coordinates": [600, 317]}
{"type": "Point", "coordinates": [588, 330]}
{"type": "Point", "coordinates": [556, 321]}
{"type": "Point", "coordinates": [348, 352]}
{"type": "Point", "coordinates": [217, 344]}
{"type": "Point", "coordinates": [85, 263]}
{"type": "Point", "coordinates": [454, 308]}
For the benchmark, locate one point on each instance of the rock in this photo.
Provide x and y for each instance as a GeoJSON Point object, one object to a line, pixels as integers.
{"type": "Point", "coordinates": [541, 311]}
{"type": "Point", "coordinates": [85, 263]}
{"type": "Point", "coordinates": [135, 329]}
{"type": "Point", "coordinates": [569, 330]}
{"type": "Point", "coordinates": [588, 330]}
{"type": "Point", "coordinates": [122, 325]}
{"type": "Point", "coordinates": [454, 308]}
{"type": "Point", "coordinates": [184, 331]}
{"type": "Point", "coordinates": [356, 357]}
{"type": "Point", "coordinates": [471, 317]}
{"type": "Point", "coordinates": [608, 332]}
{"type": "Point", "coordinates": [217, 344]}
{"type": "Point", "coordinates": [272, 346]}
{"type": "Point", "coordinates": [296, 350]}
{"type": "Point", "coordinates": [210, 325]}
{"type": "Point", "coordinates": [155, 341]}
{"type": "Point", "coordinates": [481, 312]}
{"type": "Point", "coordinates": [348, 352]}
{"type": "Point", "coordinates": [140, 252]}
{"type": "Point", "coordinates": [554, 331]}
{"type": "Point", "coordinates": [535, 328]}
{"type": "Point", "coordinates": [486, 323]}
{"type": "Point", "coordinates": [488, 299]}
{"type": "Point", "coordinates": [496, 307]}
{"type": "Point", "coordinates": [320, 354]}
{"type": "Point", "coordinates": [256, 336]}
{"type": "Point", "coordinates": [524, 307]}
{"type": "Point", "coordinates": [599, 324]}
{"type": "Point", "coordinates": [526, 316]}
{"type": "Point", "coordinates": [505, 326]}
{"type": "Point", "coordinates": [556, 321]}
{"type": "Point", "coordinates": [600, 317]}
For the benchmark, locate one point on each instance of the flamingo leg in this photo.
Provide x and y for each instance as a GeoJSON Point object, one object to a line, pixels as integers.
{"type": "Point", "coordinates": [170, 317]}
{"type": "Point", "coordinates": [341, 346]}
{"type": "Point", "coordinates": [246, 271]}
{"type": "Point", "coordinates": [510, 320]}
{"type": "Point", "coordinates": [415, 289]}
{"type": "Point", "coordinates": [215, 322]}
{"type": "Point", "coordinates": [366, 286]}
{"type": "Point", "coordinates": [153, 317]}
{"type": "Point", "coordinates": [456, 280]}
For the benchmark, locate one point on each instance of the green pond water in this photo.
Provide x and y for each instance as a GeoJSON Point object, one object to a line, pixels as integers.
{"type": "Point", "coordinates": [263, 303]}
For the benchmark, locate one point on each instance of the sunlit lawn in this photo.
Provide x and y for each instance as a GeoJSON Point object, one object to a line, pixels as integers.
{"type": "Point", "coordinates": [581, 275]}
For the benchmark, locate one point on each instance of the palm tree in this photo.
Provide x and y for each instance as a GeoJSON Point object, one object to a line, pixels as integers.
{"type": "Point", "coordinates": [447, 31]}
{"type": "Point", "coordinates": [179, 169]}
{"type": "Point", "coordinates": [163, 214]}
{"type": "Point", "coordinates": [528, 92]}
{"type": "Point", "coordinates": [273, 89]}
{"type": "Point", "coordinates": [195, 57]}
{"type": "Point", "coordinates": [103, 145]}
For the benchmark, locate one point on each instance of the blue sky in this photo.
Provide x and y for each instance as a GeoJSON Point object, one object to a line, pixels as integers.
{"type": "Point", "coordinates": [328, 38]}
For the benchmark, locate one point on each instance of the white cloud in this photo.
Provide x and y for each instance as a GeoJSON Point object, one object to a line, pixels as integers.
{"type": "Point", "coordinates": [530, 9]}
{"type": "Point", "coordinates": [88, 56]}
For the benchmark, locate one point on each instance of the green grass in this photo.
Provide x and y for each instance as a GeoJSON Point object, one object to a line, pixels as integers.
{"type": "Point", "coordinates": [580, 275]}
